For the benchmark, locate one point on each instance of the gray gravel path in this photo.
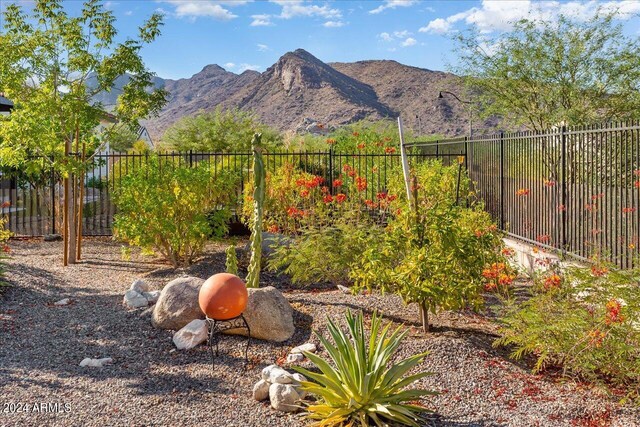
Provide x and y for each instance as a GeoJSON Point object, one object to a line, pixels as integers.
{"type": "Point", "coordinates": [41, 346]}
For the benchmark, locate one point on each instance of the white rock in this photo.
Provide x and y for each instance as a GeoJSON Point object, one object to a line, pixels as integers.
{"type": "Point", "coordinates": [261, 390]}
{"type": "Point", "coordinates": [152, 297]}
{"type": "Point", "coordinates": [133, 299]}
{"type": "Point", "coordinates": [280, 376]}
{"type": "Point", "coordinates": [298, 378]}
{"type": "Point", "coordinates": [344, 289]}
{"type": "Point", "coordinates": [309, 347]}
{"type": "Point", "coordinates": [140, 286]}
{"type": "Point", "coordinates": [96, 363]}
{"type": "Point", "coordinates": [283, 397]}
{"type": "Point", "coordinates": [65, 301]}
{"type": "Point", "coordinates": [266, 372]}
{"type": "Point", "coordinates": [191, 335]}
{"type": "Point", "coordinates": [295, 357]}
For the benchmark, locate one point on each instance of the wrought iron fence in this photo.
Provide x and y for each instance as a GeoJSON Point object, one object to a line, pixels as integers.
{"type": "Point", "coordinates": [35, 203]}
{"type": "Point", "coordinates": [573, 189]}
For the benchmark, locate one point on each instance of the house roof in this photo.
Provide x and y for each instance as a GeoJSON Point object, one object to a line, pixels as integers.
{"type": "Point", "coordinates": [5, 104]}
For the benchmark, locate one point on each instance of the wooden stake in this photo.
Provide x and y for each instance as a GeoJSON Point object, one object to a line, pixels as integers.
{"type": "Point", "coordinates": [405, 160]}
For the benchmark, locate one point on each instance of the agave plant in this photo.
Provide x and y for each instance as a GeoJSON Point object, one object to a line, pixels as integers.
{"type": "Point", "coordinates": [357, 386]}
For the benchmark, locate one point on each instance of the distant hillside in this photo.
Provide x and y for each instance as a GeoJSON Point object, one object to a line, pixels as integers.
{"type": "Point", "coordinates": [300, 86]}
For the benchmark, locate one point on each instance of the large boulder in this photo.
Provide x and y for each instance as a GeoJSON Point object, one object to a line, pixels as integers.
{"type": "Point", "coordinates": [268, 314]}
{"type": "Point", "coordinates": [178, 304]}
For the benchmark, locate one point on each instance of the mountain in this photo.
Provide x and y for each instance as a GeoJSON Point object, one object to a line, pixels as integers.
{"type": "Point", "coordinates": [413, 93]}
{"type": "Point", "coordinates": [300, 87]}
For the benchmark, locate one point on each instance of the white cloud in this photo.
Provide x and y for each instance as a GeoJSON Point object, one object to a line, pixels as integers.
{"type": "Point", "coordinates": [262, 47]}
{"type": "Point", "coordinates": [129, 12]}
{"type": "Point", "coordinates": [410, 41]}
{"type": "Point", "coordinates": [261, 21]}
{"type": "Point", "coordinates": [437, 26]}
{"type": "Point", "coordinates": [392, 4]}
{"type": "Point", "coordinates": [205, 8]}
{"type": "Point", "coordinates": [386, 37]}
{"type": "Point", "coordinates": [229, 66]}
{"type": "Point", "coordinates": [295, 8]}
{"type": "Point", "coordinates": [334, 24]}
{"type": "Point", "coordinates": [401, 34]}
{"type": "Point", "coordinates": [300, 8]}
{"type": "Point", "coordinates": [244, 67]}
{"type": "Point", "coordinates": [493, 15]}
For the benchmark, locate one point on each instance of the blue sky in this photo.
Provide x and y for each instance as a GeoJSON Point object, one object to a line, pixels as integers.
{"type": "Point", "coordinates": [245, 34]}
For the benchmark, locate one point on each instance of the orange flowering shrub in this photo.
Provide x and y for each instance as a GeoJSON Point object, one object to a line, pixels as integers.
{"type": "Point", "coordinates": [498, 278]}
{"type": "Point", "coordinates": [583, 319]}
{"type": "Point", "coordinates": [296, 199]}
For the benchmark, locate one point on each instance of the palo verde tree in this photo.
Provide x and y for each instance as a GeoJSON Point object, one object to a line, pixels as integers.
{"type": "Point", "coordinates": [47, 59]}
{"type": "Point", "coordinates": [545, 73]}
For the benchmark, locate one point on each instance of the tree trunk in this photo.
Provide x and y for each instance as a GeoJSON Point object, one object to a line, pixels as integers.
{"type": "Point", "coordinates": [65, 219]}
{"type": "Point", "coordinates": [424, 316]}
{"type": "Point", "coordinates": [71, 256]}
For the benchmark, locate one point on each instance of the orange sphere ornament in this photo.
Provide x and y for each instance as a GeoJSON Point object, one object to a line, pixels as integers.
{"type": "Point", "coordinates": [223, 296]}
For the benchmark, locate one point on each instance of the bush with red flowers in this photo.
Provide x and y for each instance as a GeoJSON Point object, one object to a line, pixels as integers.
{"type": "Point", "coordinates": [583, 319]}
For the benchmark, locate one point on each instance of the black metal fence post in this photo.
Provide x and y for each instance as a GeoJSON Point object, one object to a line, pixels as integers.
{"type": "Point", "coordinates": [563, 211]}
{"type": "Point", "coordinates": [331, 190]}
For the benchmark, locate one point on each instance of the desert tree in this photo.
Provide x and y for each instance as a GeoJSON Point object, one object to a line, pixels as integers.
{"type": "Point", "coordinates": [47, 58]}
{"type": "Point", "coordinates": [548, 72]}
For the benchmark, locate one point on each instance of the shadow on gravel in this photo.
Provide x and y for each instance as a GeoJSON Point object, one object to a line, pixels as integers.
{"type": "Point", "coordinates": [479, 339]}
{"type": "Point", "coordinates": [436, 420]}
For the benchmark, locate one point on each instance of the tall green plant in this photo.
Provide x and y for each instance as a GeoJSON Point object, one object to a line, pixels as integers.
{"type": "Point", "coordinates": [259, 184]}
{"type": "Point", "coordinates": [232, 260]}
{"type": "Point", "coordinates": [168, 208]}
{"type": "Point", "coordinates": [360, 384]}
{"type": "Point", "coordinates": [435, 252]}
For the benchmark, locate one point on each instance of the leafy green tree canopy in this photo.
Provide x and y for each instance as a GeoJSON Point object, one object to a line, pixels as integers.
{"type": "Point", "coordinates": [47, 58]}
{"type": "Point", "coordinates": [218, 131]}
{"type": "Point", "coordinates": [543, 73]}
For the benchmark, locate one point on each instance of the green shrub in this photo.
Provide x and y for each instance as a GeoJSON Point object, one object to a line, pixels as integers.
{"type": "Point", "coordinates": [168, 208]}
{"type": "Point", "coordinates": [361, 384]}
{"type": "Point", "coordinates": [583, 319]}
{"type": "Point", "coordinates": [218, 131]}
{"type": "Point", "coordinates": [324, 254]}
{"type": "Point", "coordinates": [4, 237]}
{"type": "Point", "coordinates": [435, 252]}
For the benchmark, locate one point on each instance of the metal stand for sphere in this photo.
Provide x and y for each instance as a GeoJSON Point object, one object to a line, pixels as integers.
{"type": "Point", "coordinates": [217, 327]}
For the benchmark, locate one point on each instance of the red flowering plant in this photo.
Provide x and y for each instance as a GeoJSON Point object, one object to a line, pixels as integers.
{"type": "Point", "coordinates": [584, 319]}
{"type": "Point", "coordinates": [296, 199]}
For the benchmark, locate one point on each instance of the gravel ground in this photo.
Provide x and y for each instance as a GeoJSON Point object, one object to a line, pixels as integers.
{"type": "Point", "coordinates": [149, 384]}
